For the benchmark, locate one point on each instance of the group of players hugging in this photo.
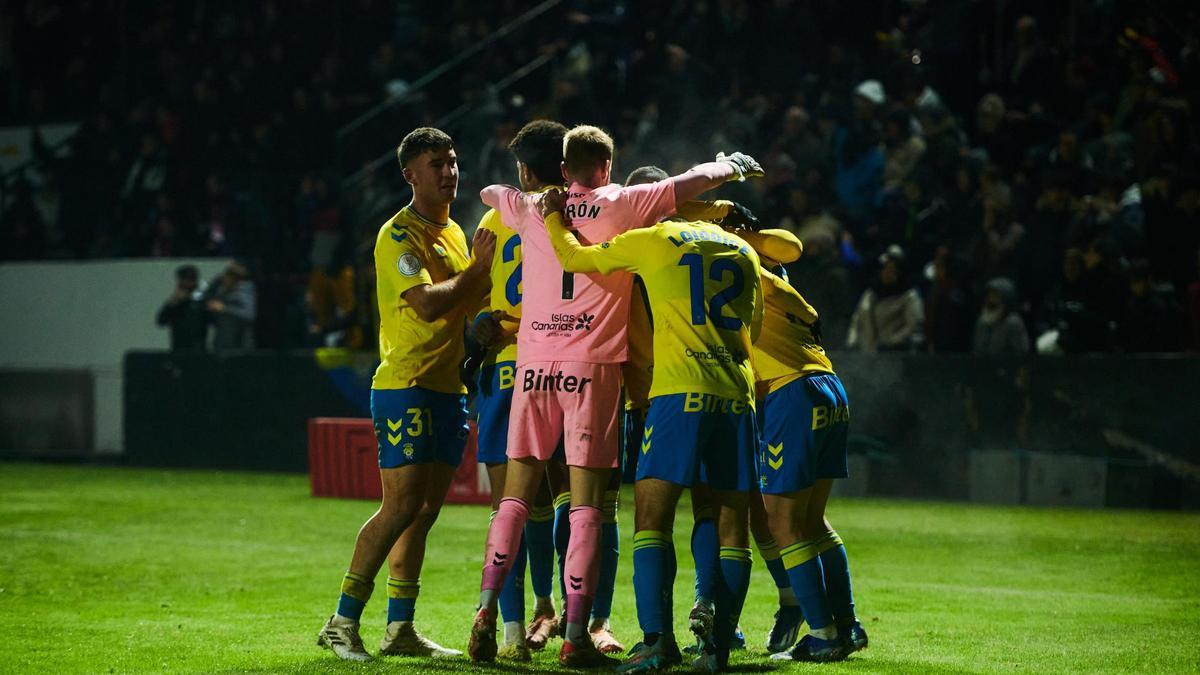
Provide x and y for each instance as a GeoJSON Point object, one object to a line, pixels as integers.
{"type": "Point", "coordinates": [618, 331]}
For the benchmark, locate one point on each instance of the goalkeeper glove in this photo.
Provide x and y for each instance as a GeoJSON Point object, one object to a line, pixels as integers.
{"type": "Point", "coordinates": [743, 165]}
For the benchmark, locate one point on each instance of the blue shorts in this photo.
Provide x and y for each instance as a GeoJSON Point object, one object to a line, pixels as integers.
{"type": "Point", "coordinates": [418, 426]}
{"type": "Point", "coordinates": [805, 424]}
{"type": "Point", "coordinates": [631, 443]}
{"type": "Point", "coordinates": [492, 402]}
{"type": "Point", "coordinates": [699, 437]}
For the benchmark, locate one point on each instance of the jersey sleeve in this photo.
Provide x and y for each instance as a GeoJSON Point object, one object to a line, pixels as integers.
{"type": "Point", "coordinates": [777, 244]}
{"type": "Point", "coordinates": [650, 202]}
{"type": "Point", "coordinates": [513, 206]}
{"type": "Point", "coordinates": [622, 253]}
{"type": "Point", "coordinates": [401, 262]}
{"type": "Point", "coordinates": [705, 211]}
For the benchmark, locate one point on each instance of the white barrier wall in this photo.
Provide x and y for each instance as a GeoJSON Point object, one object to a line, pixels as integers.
{"type": "Point", "coordinates": [87, 315]}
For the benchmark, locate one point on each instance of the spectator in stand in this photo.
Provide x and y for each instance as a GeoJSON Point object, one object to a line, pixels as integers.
{"type": "Point", "coordinates": [820, 276]}
{"type": "Point", "coordinates": [231, 305]}
{"type": "Point", "coordinates": [196, 115]}
{"type": "Point", "coordinates": [1147, 323]}
{"type": "Point", "coordinates": [858, 157]}
{"type": "Point", "coordinates": [1112, 213]}
{"type": "Point", "coordinates": [1103, 294]}
{"type": "Point", "coordinates": [1029, 65]}
{"type": "Point", "coordinates": [147, 176]}
{"type": "Point", "coordinates": [999, 239]}
{"type": "Point", "coordinates": [996, 134]}
{"type": "Point", "coordinates": [184, 313]}
{"type": "Point", "coordinates": [1000, 328]}
{"type": "Point", "coordinates": [890, 314]}
{"type": "Point", "coordinates": [1055, 322]}
{"type": "Point", "coordinates": [902, 148]}
{"type": "Point", "coordinates": [1088, 314]}
{"type": "Point", "coordinates": [1045, 238]}
{"type": "Point", "coordinates": [221, 232]}
{"type": "Point", "coordinates": [949, 307]}
{"type": "Point", "coordinates": [1070, 160]}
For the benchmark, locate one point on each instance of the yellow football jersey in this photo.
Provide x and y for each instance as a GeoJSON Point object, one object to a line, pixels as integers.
{"type": "Point", "coordinates": [411, 251]}
{"type": "Point", "coordinates": [790, 344]}
{"type": "Point", "coordinates": [705, 297]}
{"type": "Point", "coordinates": [506, 282]}
{"type": "Point", "coordinates": [639, 369]}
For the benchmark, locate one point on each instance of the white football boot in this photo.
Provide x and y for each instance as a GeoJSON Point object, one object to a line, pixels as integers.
{"type": "Point", "coordinates": [340, 635]}
{"type": "Point", "coordinates": [402, 639]}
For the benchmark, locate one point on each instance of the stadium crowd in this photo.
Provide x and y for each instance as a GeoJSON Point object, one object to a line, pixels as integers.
{"type": "Point", "coordinates": [964, 178]}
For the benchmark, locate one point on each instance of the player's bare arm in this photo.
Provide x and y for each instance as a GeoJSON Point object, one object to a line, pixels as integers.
{"type": "Point", "coordinates": [432, 302]}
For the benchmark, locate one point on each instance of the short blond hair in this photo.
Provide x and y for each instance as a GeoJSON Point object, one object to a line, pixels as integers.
{"type": "Point", "coordinates": [585, 149]}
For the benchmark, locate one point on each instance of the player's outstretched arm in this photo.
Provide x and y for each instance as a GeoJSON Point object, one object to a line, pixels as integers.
{"type": "Point", "coordinates": [778, 245]}
{"type": "Point", "coordinates": [710, 212]}
{"type": "Point", "coordinates": [433, 301]}
{"type": "Point", "coordinates": [704, 177]}
{"type": "Point", "coordinates": [495, 195]}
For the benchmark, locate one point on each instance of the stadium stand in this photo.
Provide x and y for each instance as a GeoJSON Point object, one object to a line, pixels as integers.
{"type": "Point", "coordinates": [1050, 153]}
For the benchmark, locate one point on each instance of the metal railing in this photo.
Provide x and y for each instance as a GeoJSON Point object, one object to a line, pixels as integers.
{"type": "Point", "coordinates": [351, 127]}
{"type": "Point", "coordinates": [445, 121]}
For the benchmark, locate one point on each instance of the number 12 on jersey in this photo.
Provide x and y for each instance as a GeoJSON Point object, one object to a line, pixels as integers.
{"type": "Point", "coordinates": [717, 271]}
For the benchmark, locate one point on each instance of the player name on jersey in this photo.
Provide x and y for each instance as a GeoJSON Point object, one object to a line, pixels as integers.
{"type": "Point", "coordinates": [690, 235]}
{"type": "Point", "coordinates": [580, 209]}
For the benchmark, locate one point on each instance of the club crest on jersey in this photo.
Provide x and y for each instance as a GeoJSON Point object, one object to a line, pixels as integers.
{"type": "Point", "coordinates": [408, 265]}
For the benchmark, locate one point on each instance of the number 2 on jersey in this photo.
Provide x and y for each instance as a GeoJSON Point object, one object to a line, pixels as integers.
{"type": "Point", "coordinates": [512, 289]}
{"type": "Point", "coordinates": [717, 271]}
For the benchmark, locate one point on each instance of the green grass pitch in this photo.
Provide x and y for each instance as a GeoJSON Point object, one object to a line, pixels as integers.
{"type": "Point", "coordinates": [114, 570]}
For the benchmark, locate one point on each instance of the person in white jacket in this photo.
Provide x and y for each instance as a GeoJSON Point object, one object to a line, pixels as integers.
{"type": "Point", "coordinates": [890, 313]}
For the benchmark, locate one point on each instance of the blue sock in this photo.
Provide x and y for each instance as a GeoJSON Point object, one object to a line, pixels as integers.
{"type": "Point", "coordinates": [672, 567]}
{"type": "Point", "coordinates": [649, 567]}
{"type": "Point", "coordinates": [356, 590]}
{"type": "Point", "coordinates": [402, 598]}
{"type": "Point", "coordinates": [539, 541]}
{"type": "Point", "coordinates": [704, 553]}
{"type": "Point", "coordinates": [731, 591]}
{"type": "Point", "coordinates": [769, 550]}
{"type": "Point", "coordinates": [562, 537]}
{"type": "Point", "coordinates": [808, 582]}
{"type": "Point", "coordinates": [836, 566]}
{"type": "Point", "coordinates": [512, 596]}
{"type": "Point", "coordinates": [610, 554]}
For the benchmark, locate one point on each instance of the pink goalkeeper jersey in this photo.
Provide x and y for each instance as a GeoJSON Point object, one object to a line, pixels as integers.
{"type": "Point", "coordinates": [577, 317]}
